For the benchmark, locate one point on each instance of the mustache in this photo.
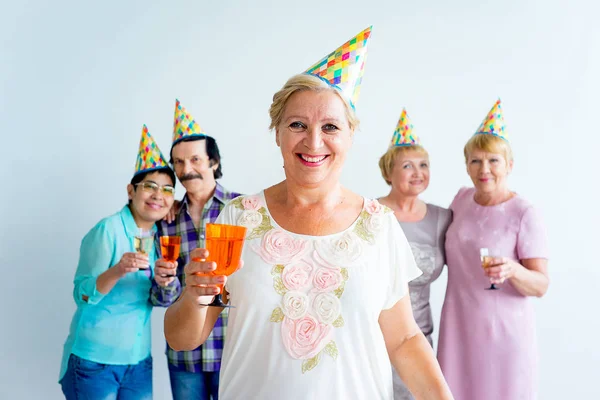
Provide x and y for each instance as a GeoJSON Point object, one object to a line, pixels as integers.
{"type": "Point", "coordinates": [188, 177]}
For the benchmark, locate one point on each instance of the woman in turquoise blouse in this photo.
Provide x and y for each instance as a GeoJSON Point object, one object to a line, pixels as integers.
{"type": "Point", "coordinates": [107, 353]}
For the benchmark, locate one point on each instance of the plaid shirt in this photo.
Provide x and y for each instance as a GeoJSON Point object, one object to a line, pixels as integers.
{"type": "Point", "coordinates": [208, 356]}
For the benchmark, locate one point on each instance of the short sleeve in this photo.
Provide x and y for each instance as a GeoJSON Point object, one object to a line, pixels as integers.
{"type": "Point", "coordinates": [458, 198]}
{"type": "Point", "coordinates": [402, 265]}
{"type": "Point", "coordinates": [532, 241]}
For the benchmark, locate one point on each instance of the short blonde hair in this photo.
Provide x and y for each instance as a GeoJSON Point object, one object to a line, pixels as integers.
{"type": "Point", "coordinates": [387, 161]}
{"type": "Point", "coordinates": [302, 82]}
{"type": "Point", "coordinates": [489, 144]}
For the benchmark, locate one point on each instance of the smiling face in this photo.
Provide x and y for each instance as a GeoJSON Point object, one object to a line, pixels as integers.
{"type": "Point", "coordinates": [314, 136]}
{"type": "Point", "coordinates": [149, 203]}
{"type": "Point", "coordinates": [410, 174]}
{"type": "Point", "coordinates": [488, 171]}
{"type": "Point", "coordinates": [489, 161]}
{"type": "Point", "coordinates": [193, 166]}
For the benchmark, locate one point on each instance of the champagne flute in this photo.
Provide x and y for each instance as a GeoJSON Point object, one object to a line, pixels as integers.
{"type": "Point", "coordinates": [486, 261]}
{"type": "Point", "coordinates": [224, 244]}
{"type": "Point", "coordinates": [142, 242]}
{"type": "Point", "coordinates": [169, 248]}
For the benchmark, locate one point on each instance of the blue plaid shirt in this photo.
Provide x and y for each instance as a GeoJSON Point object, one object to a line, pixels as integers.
{"type": "Point", "coordinates": [208, 356]}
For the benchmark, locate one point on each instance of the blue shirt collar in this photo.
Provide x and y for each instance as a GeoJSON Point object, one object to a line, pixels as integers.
{"type": "Point", "coordinates": [131, 227]}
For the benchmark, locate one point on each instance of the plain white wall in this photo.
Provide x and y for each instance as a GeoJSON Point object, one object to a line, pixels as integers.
{"type": "Point", "coordinates": [78, 80]}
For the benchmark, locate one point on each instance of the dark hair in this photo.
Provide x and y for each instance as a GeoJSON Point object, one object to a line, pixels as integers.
{"type": "Point", "coordinates": [140, 177]}
{"type": "Point", "coordinates": [212, 150]}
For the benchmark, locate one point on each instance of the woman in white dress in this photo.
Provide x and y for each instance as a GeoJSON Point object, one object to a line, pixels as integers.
{"type": "Point", "coordinates": [321, 304]}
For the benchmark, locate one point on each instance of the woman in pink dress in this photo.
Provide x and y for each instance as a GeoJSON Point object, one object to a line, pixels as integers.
{"type": "Point", "coordinates": [487, 344]}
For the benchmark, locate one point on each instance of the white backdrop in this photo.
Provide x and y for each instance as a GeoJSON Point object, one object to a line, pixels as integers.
{"type": "Point", "coordinates": [78, 80]}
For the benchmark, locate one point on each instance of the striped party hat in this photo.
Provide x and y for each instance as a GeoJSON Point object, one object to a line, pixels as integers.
{"type": "Point", "coordinates": [149, 156]}
{"type": "Point", "coordinates": [403, 135]}
{"type": "Point", "coordinates": [493, 124]}
{"type": "Point", "coordinates": [184, 125]}
{"type": "Point", "coordinates": [344, 68]}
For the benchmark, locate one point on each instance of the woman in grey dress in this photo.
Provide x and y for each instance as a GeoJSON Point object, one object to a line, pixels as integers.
{"type": "Point", "coordinates": [405, 167]}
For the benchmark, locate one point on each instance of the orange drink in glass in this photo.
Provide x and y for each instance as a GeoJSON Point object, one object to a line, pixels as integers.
{"type": "Point", "coordinates": [224, 244]}
{"type": "Point", "coordinates": [169, 248]}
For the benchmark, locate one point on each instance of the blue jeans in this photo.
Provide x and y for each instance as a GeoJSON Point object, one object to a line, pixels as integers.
{"type": "Point", "coordinates": [194, 386]}
{"type": "Point", "coordinates": [87, 380]}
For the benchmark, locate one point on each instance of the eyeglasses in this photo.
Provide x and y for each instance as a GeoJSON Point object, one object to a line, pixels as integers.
{"type": "Point", "coordinates": [151, 187]}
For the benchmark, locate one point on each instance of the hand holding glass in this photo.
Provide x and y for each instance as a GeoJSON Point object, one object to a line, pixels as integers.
{"type": "Point", "coordinates": [142, 242]}
{"type": "Point", "coordinates": [486, 262]}
{"type": "Point", "coordinates": [169, 247]}
{"type": "Point", "coordinates": [224, 244]}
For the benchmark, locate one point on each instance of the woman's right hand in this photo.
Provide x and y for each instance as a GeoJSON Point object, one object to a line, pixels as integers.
{"type": "Point", "coordinates": [200, 284]}
{"type": "Point", "coordinates": [187, 322]}
{"type": "Point", "coordinates": [131, 262]}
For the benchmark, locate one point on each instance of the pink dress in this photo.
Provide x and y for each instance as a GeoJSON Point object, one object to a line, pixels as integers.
{"type": "Point", "coordinates": [487, 344]}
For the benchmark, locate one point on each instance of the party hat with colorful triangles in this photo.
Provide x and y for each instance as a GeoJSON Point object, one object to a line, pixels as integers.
{"type": "Point", "coordinates": [149, 156]}
{"type": "Point", "coordinates": [403, 135]}
{"type": "Point", "coordinates": [184, 125]}
{"type": "Point", "coordinates": [493, 124]}
{"type": "Point", "coordinates": [344, 68]}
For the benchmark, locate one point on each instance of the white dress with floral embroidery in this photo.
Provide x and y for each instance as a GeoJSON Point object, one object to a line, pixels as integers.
{"type": "Point", "coordinates": [305, 323]}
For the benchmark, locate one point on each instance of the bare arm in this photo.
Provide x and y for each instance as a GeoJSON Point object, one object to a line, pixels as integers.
{"type": "Point", "coordinates": [187, 323]}
{"type": "Point", "coordinates": [107, 280]}
{"type": "Point", "coordinates": [410, 353]}
{"type": "Point", "coordinates": [530, 277]}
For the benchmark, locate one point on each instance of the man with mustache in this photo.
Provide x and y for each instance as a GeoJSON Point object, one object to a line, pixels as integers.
{"type": "Point", "coordinates": [197, 163]}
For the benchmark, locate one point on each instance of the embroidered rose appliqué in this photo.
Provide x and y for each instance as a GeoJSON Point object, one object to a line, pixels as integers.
{"type": "Point", "coordinates": [310, 275]}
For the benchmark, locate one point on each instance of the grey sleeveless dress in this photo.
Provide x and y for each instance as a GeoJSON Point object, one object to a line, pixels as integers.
{"type": "Point", "coordinates": [426, 239]}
